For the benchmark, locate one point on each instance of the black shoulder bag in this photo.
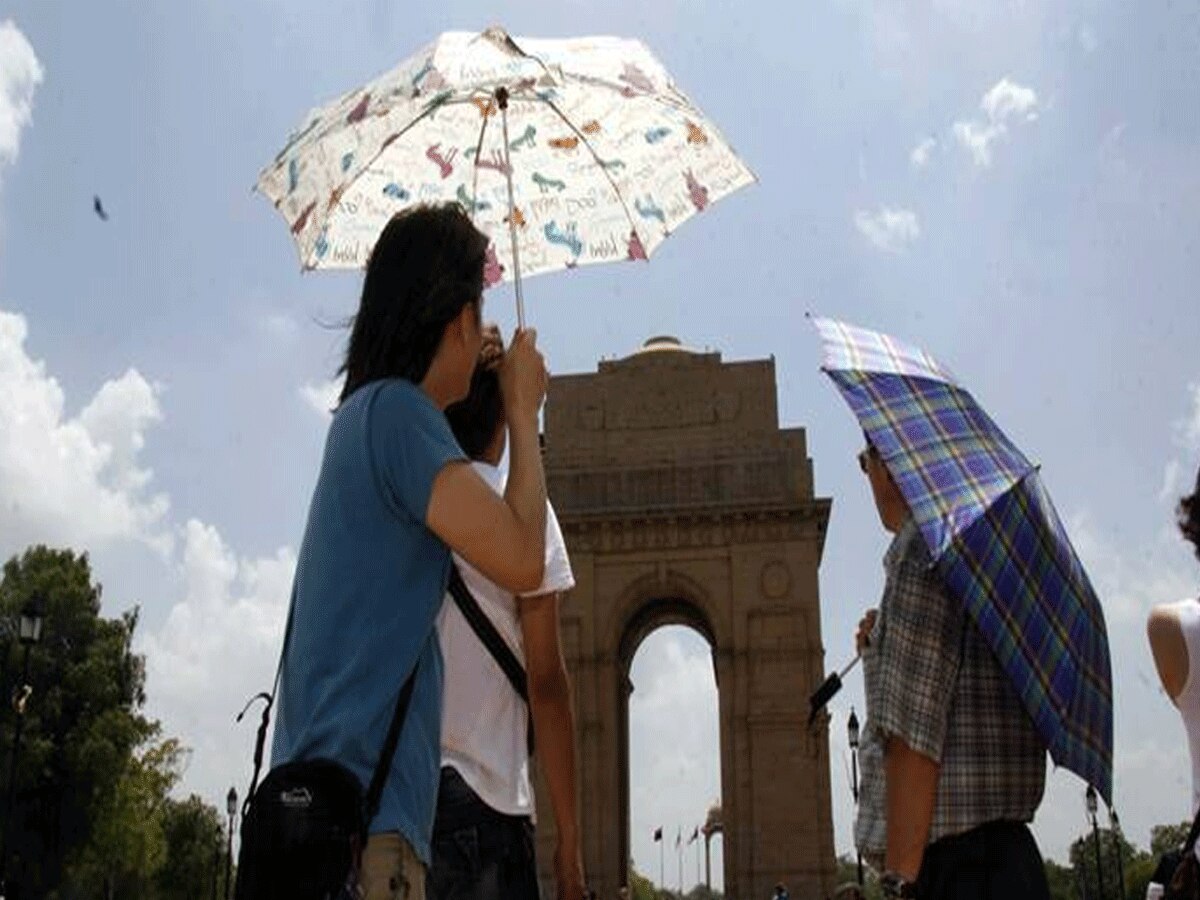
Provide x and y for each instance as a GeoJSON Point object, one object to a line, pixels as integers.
{"type": "Point", "coordinates": [304, 828]}
{"type": "Point", "coordinates": [495, 644]}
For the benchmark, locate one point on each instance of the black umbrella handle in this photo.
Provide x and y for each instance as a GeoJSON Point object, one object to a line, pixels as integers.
{"type": "Point", "coordinates": [822, 695]}
{"type": "Point", "coordinates": [828, 690]}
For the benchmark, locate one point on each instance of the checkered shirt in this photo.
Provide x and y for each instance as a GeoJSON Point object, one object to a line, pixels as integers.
{"type": "Point", "coordinates": [932, 682]}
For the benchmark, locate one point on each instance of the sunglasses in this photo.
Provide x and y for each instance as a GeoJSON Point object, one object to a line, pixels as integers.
{"type": "Point", "coordinates": [864, 455]}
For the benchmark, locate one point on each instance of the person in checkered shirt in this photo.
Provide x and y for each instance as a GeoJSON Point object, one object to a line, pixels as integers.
{"type": "Point", "coordinates": [952, 767]}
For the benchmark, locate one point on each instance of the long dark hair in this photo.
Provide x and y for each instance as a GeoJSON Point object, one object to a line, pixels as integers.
{"type": "Point", "coordinates": [1189, 516]}
{"type": "Point", "coordinates": [426, 266]}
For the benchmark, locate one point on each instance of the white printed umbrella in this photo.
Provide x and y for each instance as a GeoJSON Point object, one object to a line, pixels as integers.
{"type": "Point", "coordinates": [579, 151]}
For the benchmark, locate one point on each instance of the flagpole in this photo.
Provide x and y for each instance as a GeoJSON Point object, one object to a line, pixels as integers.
{"type": "Point", "coordinates": [679, 853]}
{"type": "Point", "coordinates": [662, 870]}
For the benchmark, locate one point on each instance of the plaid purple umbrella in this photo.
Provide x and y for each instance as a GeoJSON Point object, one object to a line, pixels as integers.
{"type": "Point", "coordinates": [994, 536]}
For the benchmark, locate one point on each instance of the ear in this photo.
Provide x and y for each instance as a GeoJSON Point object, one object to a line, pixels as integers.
{"type": "Point", "coordinates": [463, 325]}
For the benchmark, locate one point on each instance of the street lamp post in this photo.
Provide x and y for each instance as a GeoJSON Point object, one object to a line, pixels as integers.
{"type": "Point", "coordinates": [231, 808]}
{"type": "Point", "coordinates": [29, 633]}
{"type": "Point", "coordinates": [852, 734]}
{"type": "Point", "coordinates": [1090, 799]}
{"type": "Point", "coordinates": [1114, 825]}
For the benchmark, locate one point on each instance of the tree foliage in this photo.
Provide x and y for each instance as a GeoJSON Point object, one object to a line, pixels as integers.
{"type": "Point", "coordinates": [92, 791]}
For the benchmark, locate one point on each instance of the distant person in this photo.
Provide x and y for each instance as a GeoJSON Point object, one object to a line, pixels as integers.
{"type": "Point", "coordinates": [781, 892]}
{"type": "Point", "coordinates": [1174, 633]}
{"type": "Point", "coordinates": [393, 496]}
{"type": "Point", "coordinates": [952, 766]}
{"type": "Point", "coordinates": [483, 845]}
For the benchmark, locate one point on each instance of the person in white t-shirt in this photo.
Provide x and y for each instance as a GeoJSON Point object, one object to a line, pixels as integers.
{"type": "Point", "coordinates": [1174, 633]}
{"type": "Point", "coordinates": [483, 847]}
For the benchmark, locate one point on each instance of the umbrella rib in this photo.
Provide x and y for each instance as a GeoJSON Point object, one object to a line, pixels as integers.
{"type": "Point", "coordinates": [595, 156]}
{"type": "Point", "coordinates": [599, 162]}
{"type": "Point", "coordinates": [425, 113]}
{"type": "Point", "coordinates": [475, 164]}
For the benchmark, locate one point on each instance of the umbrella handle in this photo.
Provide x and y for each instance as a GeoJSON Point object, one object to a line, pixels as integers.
{"type": "Point", "coordinates": [502, 102]}
{"type": "Point", "coordinates": [850, 666]}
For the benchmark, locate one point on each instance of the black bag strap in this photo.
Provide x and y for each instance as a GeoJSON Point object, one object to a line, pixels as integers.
{"type": "Point", "coordinates": [390, 741]}
{"type": "Point", "coordinates": [495, 644]}
{"type": "Point", "coordinates": [1190, 845]}
{"type": "Point", "coordinates": [269, 701]}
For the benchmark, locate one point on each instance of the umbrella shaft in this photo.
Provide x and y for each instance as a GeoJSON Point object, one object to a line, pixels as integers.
{"type": "Point", "coordinates": [512, 217]}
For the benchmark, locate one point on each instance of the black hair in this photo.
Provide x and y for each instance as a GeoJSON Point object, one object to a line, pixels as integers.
{"type": "Point", "coordinates": [1189, 516]}
{"type": "Point", "coordinates": [426, 266]}
{"type": "Point", "coordinates": [477, 417]}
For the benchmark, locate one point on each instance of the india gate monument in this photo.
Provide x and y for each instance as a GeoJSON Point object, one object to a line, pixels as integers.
{"type": "Point", "coordinates": [683, 502]}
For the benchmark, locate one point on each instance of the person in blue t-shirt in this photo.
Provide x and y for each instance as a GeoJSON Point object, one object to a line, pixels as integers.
{"type": "Point", "coordinates": [393, 497]}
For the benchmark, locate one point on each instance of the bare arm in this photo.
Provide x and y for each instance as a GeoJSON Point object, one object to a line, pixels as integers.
{"type": "Point", "coordinates": [1169, 650]}
{"type": "Point", "coordinates": [505, 539]}
{"type": "Point", "coordinates": [554, 730]}
{"type": "Point", "coordinates": [501, 537]}
{"type": "Point", "coordinates": [912, 781]}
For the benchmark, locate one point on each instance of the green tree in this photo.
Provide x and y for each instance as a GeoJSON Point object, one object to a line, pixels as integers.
{"type": "Point", "coordinates": [1168, 837]}
{"type": "Point", "coordinates": [195, 838]}
{"type": "Point", "coordinates": [88, 753]}
{"type": "Point", "coordinates": [1063, 881]}
{"type": "Point", "coordinates": [1083, 861]}
{"type": "Point", "coordinates": [128, 846]}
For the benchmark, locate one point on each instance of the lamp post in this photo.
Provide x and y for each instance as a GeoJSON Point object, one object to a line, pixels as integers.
{"type": "Point", "coordinates": [1090, 800]}
{"type": "Point", "coordinates": [1114, 825]}
{"type": "Point", "coordinates": [852, 735]}
{"type": "Point", "coordinates": [29, 633]}
{"type": "Point", "coordinates": [231, 808]}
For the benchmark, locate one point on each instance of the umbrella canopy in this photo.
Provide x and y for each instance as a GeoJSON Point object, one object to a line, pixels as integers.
{"type": "Point", "coordinates": [580, 151]}
{"type": "Point", "coordinates": [994, 535]}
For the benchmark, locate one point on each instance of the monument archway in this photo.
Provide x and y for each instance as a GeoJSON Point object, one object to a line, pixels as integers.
{"type": "Point", "coordinates": [682, 501]}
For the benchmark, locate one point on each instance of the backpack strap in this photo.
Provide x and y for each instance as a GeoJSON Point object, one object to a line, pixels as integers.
{"type": "Point", "coordinates": [495, 644]}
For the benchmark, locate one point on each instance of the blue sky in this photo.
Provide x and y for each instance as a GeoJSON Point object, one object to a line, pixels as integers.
{"type": "Point", "coordinates": [1012, 185]}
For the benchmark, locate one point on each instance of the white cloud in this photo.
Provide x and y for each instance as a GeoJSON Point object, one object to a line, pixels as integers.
{"type": "Point", "coordinates": [73, 480]}
{"type": "Point", "coordinates": [1130, 577]}
{"type": "Point", "coordinates": [80, 481]}
{"type": "Point", "coordinates": [891, 230]}
{"type": "Point", "coordinates": [1087, 39]}
{"type": "Point", "coordinates": [1187, 429]}
{"type": "Point", "coordinates": [218, 647]}
{"type": "Point", "coordinates": [20, 75]}
{"type": "Point", "coordinates": [322, 396]}
{"type": "Point", "coordinates": [279, 328]}
{"type": "Point", "coordinates": [1005, 104]}
{"type": "Point", "coordinates": [921, 153]}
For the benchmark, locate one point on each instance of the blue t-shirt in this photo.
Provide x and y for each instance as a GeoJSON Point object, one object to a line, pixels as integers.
{"type": "Point", "coordinates": [369, 583]}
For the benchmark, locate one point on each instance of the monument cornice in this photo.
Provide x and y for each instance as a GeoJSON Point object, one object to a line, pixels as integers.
{"type": "Point", "coordinates": [632, 531]}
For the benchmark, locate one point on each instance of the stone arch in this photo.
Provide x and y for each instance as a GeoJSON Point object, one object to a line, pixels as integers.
{"type": "Point", "coordinates": [652, 601]}
{"type": "Point", "coordinates": [683, 502]}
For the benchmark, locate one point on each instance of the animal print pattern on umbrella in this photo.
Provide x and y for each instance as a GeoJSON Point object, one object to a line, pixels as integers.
{"type": "Point", "coordinates": [607, 157]}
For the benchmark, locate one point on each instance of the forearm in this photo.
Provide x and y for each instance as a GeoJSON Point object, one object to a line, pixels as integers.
{"type": "Point", "coordinates": [911, 791]}
{"type": "Point", "coordinates": [525, 492]}
{"type": "Point", "coordinates": [554, 730]}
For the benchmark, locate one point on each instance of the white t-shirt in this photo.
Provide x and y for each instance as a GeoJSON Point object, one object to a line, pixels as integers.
{"type": "Point", "coordinates": [483, 719]}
